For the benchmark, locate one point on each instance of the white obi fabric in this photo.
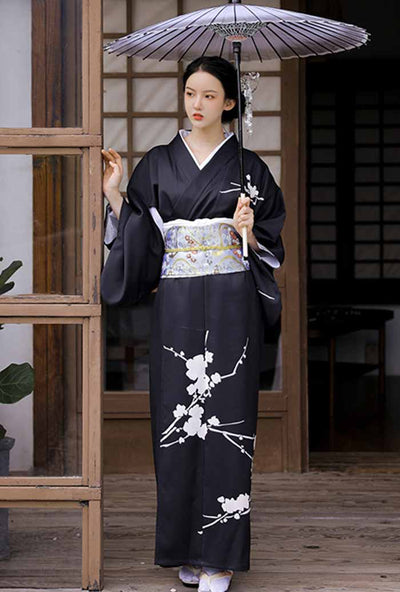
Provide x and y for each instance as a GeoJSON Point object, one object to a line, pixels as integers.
{"type": "Point", "coordinates": [111, 229]}
{"type": "Point", "coordinates": [205, 246]}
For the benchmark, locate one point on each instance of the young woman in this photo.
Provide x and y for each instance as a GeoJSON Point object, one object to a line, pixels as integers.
{"type": "Point", "coordinates": [181, 230]}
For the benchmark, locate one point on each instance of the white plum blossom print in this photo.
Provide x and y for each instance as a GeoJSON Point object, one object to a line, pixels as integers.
{"type": "Point", "coordinates": [252, 190]}
{"type": "Point", "coordinates": [189, 421]}
{"type": "Point", "coordinates": [193, 425]}
{"type": "Point", "coordinates": [232, 508]}
{"type": "Point", "coordinates": [197, 372]}
{"type": "Point", "coordinates": [179, 410]}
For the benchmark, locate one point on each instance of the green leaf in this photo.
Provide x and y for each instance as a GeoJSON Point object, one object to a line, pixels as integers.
{"type": "Point", "coordinates": [6, 274]}
{"type": "Point", "coordinates": [16, 382]}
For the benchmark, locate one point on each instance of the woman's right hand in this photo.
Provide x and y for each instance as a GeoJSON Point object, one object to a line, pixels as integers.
{"type": "Point", "coordinates": [113, 171]}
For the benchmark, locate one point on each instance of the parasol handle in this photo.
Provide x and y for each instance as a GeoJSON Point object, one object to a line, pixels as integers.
{"type": "Point", "coordinates": [244, 235]}
{"type": "Point", "coordinates": [236, 51]}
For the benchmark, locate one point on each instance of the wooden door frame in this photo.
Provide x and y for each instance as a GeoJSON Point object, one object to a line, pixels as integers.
{"type": "Point", "coordinates": [83, 492]}
{"type": "Point", "coordinates": [295, 350]}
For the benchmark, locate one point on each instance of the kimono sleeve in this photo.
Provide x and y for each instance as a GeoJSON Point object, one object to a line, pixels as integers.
{"type": "Point", "coordinates": [110, 227]}
{"type": "Point", "coordinates": [269, 217]}
{"type": "Point", "coordinates": [133, 266]}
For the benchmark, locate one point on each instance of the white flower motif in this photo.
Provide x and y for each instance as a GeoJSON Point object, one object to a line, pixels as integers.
{"type": "Point", "coordinates": [197, 371]}
{"type": "Point", "coordinates": [191, 388]}
{"type": "Point", "coordinates": [233, 508]}
{"type": "Point", "coordinates": [179, 410]}
{"type": "Point", "coordinates": [209, 357]}
{"type": "Point", "coordinates": [232, 505]}
{"type": "Point", "coordinates": [193, 425]}
{"type": "Point", "coordinates": [213, 420]}
{"type": "Point", "coordinates": [216, 377]}
{"type": "Point", "coordinates": [251, 189]}
{"type": "Point", "coordinates": [196, 367]}
{"type": "Point", "coordinates": [202, 431]}
{"type": "Point", "coordinates": [202, 384]}
{"type": "Point", "coordinates": [196, 411]}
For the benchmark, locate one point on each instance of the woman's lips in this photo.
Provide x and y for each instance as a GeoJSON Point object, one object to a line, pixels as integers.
{"type": "Point", "coordinates": [197, 116]}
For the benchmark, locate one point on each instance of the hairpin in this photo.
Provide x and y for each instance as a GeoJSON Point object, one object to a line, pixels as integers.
{"type": "Point", "coordinates": [249, 83]}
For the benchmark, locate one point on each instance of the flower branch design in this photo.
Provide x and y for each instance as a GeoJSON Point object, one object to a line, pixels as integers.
{"type": "Point", "coordinates": [188, 420]}
{"type": "Point", "coordinates": [232, 507]}
{"type": "Point", "coordinates": [251, 190]}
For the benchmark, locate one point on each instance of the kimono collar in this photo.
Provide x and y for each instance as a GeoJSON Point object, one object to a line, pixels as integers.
{"type": "Point", "coordinates": [183, 133]}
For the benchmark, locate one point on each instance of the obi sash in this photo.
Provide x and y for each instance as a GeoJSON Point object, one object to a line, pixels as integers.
{"type": "Point", "coordinates": [205, 246]}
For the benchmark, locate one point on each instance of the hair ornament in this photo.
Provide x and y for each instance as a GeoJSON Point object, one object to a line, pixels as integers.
{"type": "Point", "coordinates": [249, 83]}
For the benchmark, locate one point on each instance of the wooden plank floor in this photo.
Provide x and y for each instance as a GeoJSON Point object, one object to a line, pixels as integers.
{"type": "Point", "coordinates": [356, 462]}
{"type": "Point", "coordinates": [317, 531]}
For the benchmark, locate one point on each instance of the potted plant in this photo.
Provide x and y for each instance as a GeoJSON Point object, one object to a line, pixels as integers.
{"type": "Point", "coordinates": [16, 382]}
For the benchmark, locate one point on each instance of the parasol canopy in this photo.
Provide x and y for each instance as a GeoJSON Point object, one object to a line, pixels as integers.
{"type": "Point", "coordinates": [269, 33]}
{"type": "Point", "coordinates": [237, 31]}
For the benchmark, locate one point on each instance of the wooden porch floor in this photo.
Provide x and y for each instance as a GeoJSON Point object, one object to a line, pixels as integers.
{"type": "Point", "coordinates": [318, 531]}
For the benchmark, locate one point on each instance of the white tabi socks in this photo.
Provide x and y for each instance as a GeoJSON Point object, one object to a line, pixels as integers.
{"type": "Point", "coordinates": [214, 580]}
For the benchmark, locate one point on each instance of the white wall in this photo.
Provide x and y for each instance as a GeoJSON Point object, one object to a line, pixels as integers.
{"type": "Point", "coordinates": [16, 212]}
{"type": "Point", "coordinates": [15, 45]}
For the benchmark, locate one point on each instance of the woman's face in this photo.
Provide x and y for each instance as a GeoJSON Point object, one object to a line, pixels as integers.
{"type": "Point", "coordinates": [204, 94]}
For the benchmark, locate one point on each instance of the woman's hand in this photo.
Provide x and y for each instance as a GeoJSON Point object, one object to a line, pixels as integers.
{"type": "Point", "coordinates": [113, 172]}
{"type": "Point", "coordinates": [112, 177]}
{"type": "Point", "coordinates": [243, 216]}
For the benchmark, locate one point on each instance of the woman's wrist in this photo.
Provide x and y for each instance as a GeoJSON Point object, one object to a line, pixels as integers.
{"type": "Point", "coordinates": [113, 195]}
{"type": "Point", "coordinates": [252, 241]}
{"type": "Point", "coordinates": [115, 200]}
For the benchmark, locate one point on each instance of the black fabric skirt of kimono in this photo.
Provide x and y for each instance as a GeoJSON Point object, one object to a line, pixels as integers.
{"type": "Point", "coordinates": [204, 381]}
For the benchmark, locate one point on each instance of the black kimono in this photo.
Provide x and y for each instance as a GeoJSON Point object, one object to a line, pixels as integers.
{"type": "Point", "coordinates": [208, 318]}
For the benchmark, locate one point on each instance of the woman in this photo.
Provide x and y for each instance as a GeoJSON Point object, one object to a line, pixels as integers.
{"type": "Point", "coordinates": [181, 229]}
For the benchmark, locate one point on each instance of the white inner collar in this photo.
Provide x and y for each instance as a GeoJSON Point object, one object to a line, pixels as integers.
{"type": "Point", "coordinates": [184, 132]}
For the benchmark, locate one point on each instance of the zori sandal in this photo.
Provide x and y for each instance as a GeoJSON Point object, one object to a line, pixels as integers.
{"type": "Point", "coordinates": [212, 580]}
{"type": "Point", "coordinates": [189, 575]}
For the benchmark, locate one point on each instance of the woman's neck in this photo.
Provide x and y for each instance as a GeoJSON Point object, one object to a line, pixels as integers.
{"type": "Point", "coordinates": [204, 137]}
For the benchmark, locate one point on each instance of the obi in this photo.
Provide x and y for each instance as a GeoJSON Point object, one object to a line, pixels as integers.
{"type": "Point", "coordinates": [201, 247]}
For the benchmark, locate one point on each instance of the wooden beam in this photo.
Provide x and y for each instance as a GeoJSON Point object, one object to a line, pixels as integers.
{"type": "Point", "coordinates": [294, 340]}
{"type": "Point", "coordinates": [50, 493]}
{"type": "Point", "coordinates": [40, 481]}
{"type": "Point", "coordinates": [43, 313]}
{"type": "Point", "coordinates": [44, 139]}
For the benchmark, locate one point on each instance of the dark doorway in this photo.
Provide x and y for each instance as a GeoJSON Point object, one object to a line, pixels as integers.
{"type": "Point", "coordinates": [353, 238]}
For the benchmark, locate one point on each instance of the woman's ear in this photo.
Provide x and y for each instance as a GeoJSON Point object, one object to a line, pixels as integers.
{"type": "Point", "coordinates": [229, 104]}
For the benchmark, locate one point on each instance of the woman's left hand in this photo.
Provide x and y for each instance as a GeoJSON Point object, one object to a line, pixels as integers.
{"type": "Point", "coordinates": [243, 216]}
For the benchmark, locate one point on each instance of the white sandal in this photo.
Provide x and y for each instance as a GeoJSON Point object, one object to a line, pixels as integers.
{"type": "Point", "coordinates": [189, 575]}
{"type": "Point", "coordinates": [215, 582]}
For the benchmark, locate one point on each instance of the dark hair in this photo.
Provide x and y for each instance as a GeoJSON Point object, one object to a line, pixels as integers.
{"type": "Point", "coordinates": [226, 74]}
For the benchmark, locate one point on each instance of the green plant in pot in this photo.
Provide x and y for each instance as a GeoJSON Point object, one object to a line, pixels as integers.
{"type": "Point", "coordinates": [16, 382]}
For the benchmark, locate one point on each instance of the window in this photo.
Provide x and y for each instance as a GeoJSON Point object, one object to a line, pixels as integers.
{"type": "Point", "coordinates": [353, 183]}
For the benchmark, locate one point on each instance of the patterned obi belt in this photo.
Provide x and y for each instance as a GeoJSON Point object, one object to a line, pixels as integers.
{"type": "Point", "coordinates": [201, 247]}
